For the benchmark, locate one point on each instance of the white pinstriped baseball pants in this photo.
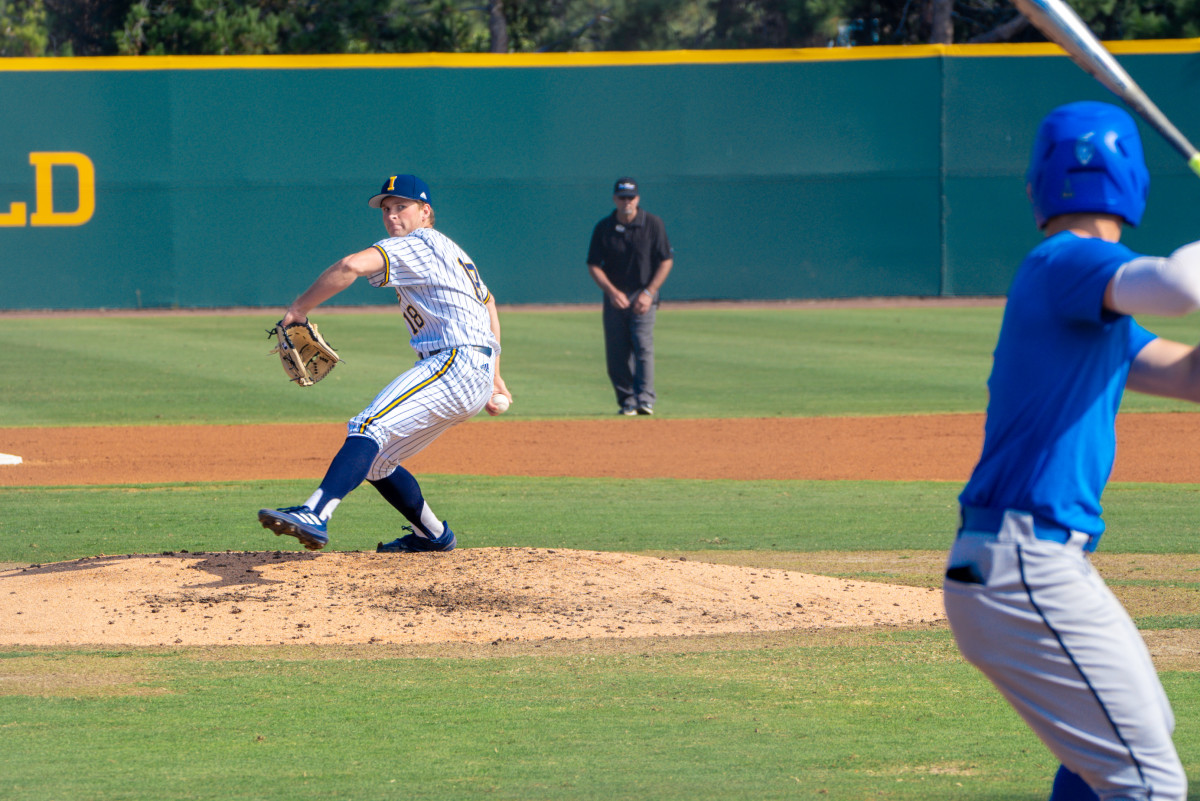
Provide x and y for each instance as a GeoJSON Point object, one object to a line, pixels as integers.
{"type": "Point", "coordinates": [1047, 631]}
{"type": "Point", "coordinates": [441, 391]}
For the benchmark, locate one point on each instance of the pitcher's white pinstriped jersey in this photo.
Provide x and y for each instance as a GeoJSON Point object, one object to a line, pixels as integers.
{"type": "Point", "coordinates": [440, 292]}
{"type": "Point", "coordinates": [443, 301]}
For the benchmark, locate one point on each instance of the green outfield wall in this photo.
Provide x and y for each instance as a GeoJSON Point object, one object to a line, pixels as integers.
{"type": "Point", "coordinates": [225, 181]}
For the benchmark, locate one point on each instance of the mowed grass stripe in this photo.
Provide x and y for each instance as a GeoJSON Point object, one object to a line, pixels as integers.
{"type": "Point", "coordinates": [48, 524]}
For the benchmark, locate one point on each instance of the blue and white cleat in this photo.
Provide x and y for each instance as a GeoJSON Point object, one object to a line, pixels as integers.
{"type": "Point", "coordinates": [299, 522]}
{"type": "Point", "coordinates": [413, 543]}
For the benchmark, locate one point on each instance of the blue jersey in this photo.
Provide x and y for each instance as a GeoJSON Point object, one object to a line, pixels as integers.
{"type": "Point", "coordinates": [1056, 384]}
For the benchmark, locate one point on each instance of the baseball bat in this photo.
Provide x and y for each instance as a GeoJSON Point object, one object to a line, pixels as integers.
{"type": "Point", "coordinates": [1061, 25]}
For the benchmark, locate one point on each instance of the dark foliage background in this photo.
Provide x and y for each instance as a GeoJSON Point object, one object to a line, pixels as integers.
{"type": "Point", "coordinates": [232, 27]}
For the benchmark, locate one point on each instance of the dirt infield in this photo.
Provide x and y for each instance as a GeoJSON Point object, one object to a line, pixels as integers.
{"type": "Point", "coordinates": [494, 594]}
{"type": "Point", "coordinates": [1153, 447]}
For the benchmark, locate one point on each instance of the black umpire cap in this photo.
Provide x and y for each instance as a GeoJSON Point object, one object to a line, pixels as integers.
{"type": "Point", "coordinates": [625, 187]}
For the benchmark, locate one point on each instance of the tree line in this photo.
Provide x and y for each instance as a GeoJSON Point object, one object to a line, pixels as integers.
{"type": "Point", "coordinates": [252, 27]}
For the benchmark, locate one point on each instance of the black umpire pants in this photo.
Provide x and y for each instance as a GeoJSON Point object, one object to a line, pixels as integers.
{"type": "Point", "coordinates": [629, 348]}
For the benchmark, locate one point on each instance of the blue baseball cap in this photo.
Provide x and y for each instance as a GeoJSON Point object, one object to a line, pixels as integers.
{"type": "Point", "coordinates": [405, 186]}
{"type": "Point", "coordinates": [625, 187]}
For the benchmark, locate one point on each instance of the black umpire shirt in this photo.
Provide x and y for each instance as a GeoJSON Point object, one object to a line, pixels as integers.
{"type": "Point", "coordinates": [629, 253]}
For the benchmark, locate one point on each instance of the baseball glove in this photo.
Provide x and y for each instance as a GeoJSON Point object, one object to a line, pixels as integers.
{"type": "Point", "coordinates": [304, 353]}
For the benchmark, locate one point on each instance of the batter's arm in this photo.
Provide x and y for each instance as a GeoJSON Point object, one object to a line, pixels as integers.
{"type": "Point", "coordinates": [337, 276]}
{"type": "Point", "coordinates": [1168, 286]}
{"type": "Point", "coordinates": [616, 296]}
{"type": "Point", "coordinates": [1167, 368]}
{"type": "Point", "coordinates": [1149, 285]}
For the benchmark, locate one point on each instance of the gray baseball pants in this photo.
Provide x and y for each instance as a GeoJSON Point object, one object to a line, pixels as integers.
{"type": "Point", "coordinates": [1035, 617]}
{"type": "Point", "coordinates": [629, 349]}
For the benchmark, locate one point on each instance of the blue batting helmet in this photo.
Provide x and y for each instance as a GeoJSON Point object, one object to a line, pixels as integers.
{"type": "Point", "coordinates": [1088, 158]}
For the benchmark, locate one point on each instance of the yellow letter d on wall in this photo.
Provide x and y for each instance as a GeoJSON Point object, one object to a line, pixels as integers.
{"type": "Point", "coordinates": [45, 213]}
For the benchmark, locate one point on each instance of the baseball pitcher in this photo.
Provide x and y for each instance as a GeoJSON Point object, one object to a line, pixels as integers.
{"type": "Point", "coordinates": [454, 328]}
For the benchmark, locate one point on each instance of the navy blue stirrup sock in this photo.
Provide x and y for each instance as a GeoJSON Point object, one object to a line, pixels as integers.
{"type": "Point", "coordinates": [402, 491]}
{"type": "Point", "coordinates": [1069, 787]}
{"type": "Point", "coordinates": [347, 470]}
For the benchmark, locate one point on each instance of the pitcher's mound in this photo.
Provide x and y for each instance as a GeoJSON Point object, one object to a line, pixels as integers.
{"type": "Point", "coordinates": [475, 595]}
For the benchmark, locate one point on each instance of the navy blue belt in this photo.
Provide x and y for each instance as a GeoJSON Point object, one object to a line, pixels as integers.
{"type": "Point", "coordinates": [484, 350]}
{"type": "Point", "coordinates": [987, 520]}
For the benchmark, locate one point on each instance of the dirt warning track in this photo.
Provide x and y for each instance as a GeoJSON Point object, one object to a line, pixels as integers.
{"type": "Point", "coordinates": [1152, 448]}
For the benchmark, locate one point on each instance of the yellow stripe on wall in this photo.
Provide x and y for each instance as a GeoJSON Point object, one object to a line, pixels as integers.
{"type": "Point", "coordinates": [604, 59]}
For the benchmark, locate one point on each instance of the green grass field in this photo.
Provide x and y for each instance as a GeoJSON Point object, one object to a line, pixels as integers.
{"type": "Point", "coordinates": [848, 714]}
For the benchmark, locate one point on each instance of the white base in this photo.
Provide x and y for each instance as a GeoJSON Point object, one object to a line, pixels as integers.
{"type": "Point", "coordinates": [8, 458]}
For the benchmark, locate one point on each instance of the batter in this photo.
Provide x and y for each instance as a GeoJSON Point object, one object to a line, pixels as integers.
{"type": "Point", "coordinates": [1024, 603]}
{"type": "Point", "coordinates": [455, 330]}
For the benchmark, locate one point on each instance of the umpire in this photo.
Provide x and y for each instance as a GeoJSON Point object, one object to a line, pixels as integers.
{"type": "Point", "coordinates": [629, 259]}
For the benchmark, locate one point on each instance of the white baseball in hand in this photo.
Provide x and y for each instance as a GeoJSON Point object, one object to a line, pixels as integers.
{"type": "Point", "coordinates": [500, 401]}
